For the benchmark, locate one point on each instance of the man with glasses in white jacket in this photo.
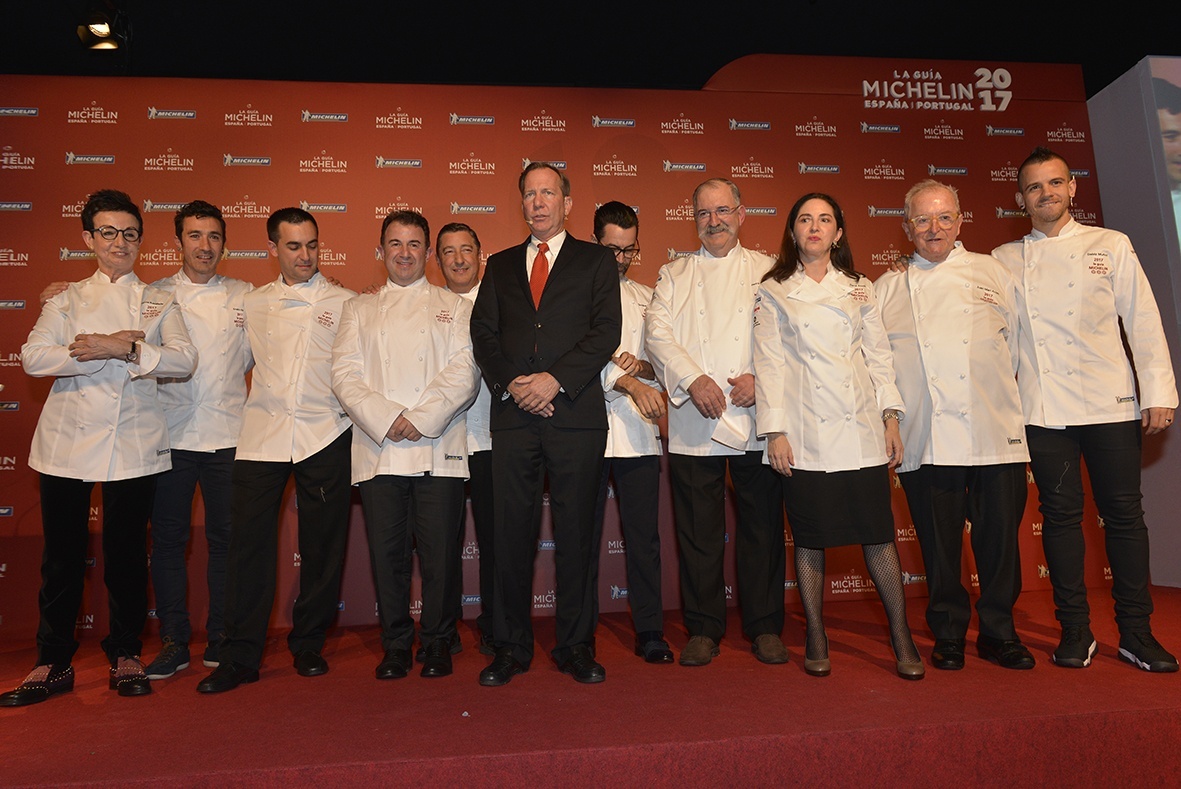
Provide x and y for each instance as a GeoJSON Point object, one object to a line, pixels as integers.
{"type": "Point", "coordinates": [701, 343]}
{"type": "Point", "coordinates": [634, 403]}
{"type": "Point", "coordinates": [951, 317]}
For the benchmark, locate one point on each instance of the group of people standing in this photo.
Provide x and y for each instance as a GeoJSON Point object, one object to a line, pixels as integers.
{"type": "Point", "coordinates": [797, 377]}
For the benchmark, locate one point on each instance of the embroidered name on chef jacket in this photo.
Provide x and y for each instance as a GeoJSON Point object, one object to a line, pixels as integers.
{"type": "Point", "coordinates": [239, 318]}
{"type": "Point", "coordinates": [988, 295]}
{"type": "Point", "coordinates": [1099, 263]}
{"type": "Point", "coordinates": [327, 319]}
{"type": "Point", "coordinates": [150, 310]}
{"type": "Point", "coordinates": [443, 316]}
{"type": "Point", "coordinates": [859, 294]}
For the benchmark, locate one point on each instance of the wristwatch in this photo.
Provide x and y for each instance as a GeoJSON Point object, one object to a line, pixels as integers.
{"type": "Point", "coordinates": [133, 357]}
{"type": "Point", "coordinates": [891, 414]}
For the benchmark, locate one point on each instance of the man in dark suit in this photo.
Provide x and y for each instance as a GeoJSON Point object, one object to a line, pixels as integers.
{"type": "Point", "coordinates": [545, 323]}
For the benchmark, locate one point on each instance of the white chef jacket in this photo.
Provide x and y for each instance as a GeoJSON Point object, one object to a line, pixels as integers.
{"type": "Point", "coordinates": [407, 351]}
{"type": "Point", "coordinates": [1075, 289]}
{"type": "Point", "coordinates": [204, 409]}
{"type": "Point", "coordinates": [823, 370]}
{"type": "Point", "coordinates": [291, 412]}
{"type": "Point", "coordinates": [479, 428]}
{"type": "Point", "coordinates": [686, 340]}
{"type": "Point", "coordinates": [102, 420]}
{"type": "Point", "coordinates": [953, 330]}
{"type": "Point", "coordinates": [629, 433]}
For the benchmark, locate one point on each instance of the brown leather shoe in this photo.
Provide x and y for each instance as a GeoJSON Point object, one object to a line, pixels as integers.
{"type": "Point", "coordinates": [699, 651]}
{"type": "Point", "coordinates": [769, 649]}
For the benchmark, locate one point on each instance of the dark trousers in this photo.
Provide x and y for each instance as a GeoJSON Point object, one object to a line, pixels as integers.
{"type": "Point", "coordinates": [993, 499]}
{"type": "Point", "coordinates": [402, 514]}
{"type": "Point", "coordinates": [172, 516]}
{"type": "Point", "coordinates": [637, 489]}
{"type": "Point", "coordinates": [1112, 454]}
{"type": "Point", "coordinates": [699, 492]}
{"type": "Point", "coordinates": [65, 517]}
{"type": "Point", "coordinates": [483, 516]}
{"type": "Point", "coordinates": [322, 494]}
{"type": "Point", "coordinates": [522, 458]}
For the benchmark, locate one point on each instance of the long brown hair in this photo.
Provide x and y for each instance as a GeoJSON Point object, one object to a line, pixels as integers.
{"type": "Point", "coordinates": [789, 257]}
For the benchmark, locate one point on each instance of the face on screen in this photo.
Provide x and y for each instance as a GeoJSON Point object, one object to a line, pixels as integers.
{"type": "Point", "coordinates": [1170, 137]}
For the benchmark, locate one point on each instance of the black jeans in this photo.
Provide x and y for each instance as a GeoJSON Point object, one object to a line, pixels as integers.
{"type": "Point", "coordinates": [65, 515]}
{"type": "Point", "coordinates": [172, 516]}
{"type": "Point", "coordinates": [1112, 455]}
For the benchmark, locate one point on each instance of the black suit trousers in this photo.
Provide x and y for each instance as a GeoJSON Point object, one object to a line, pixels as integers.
{"type": "Point", "coordinates": [521, 459]}
{"type": "Point", "coordinates": [323, 495]}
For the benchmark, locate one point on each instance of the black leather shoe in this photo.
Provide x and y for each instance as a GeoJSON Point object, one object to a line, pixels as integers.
{"type": "Point", "coordinates": [455, 644]}
{"type": "Point", "coordinates": [948, 654]}
{"type": "Point", "coordinates": [653, 648]}
{"type": "Point", "coordinates": [1005, 653]}
{"type": "Point", "coordinates": [227, 676]}
{"type": "Point", "coordinates": [43, 681]}
{"type": "Point", "coordinates": [582, 666]}
{"type": "Point", "coordinates": [502, 669]}
{"type": "Point", "coordinates": [395, 664]}
{"type": "Point", "coordinates": [437, 660]}
{"type": "Point", "coordinates": [309, 664]}
{"type": "Point", "coordinates": [129, 678]}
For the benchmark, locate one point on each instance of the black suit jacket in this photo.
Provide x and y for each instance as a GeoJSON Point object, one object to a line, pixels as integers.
{"type": "Point", "coordinates": [571, 335]}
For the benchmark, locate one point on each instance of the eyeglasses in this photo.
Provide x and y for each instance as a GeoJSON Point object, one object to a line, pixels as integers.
{"type": "Point", "coordinates": [923, 222]}
{"type": "Point", "coordinates": [628, 253]}
{"type": "Point", "coordinates": [721, 211]}
{"type": "Point", "coordinates": [130, 234]}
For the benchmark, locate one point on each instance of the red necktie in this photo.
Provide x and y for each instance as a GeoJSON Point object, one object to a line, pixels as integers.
{"type": "Point", "coordinates": [539, 274]}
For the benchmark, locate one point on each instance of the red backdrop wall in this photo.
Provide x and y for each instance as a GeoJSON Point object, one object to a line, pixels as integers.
{"type": "Point", "coordinates": [862, 130]}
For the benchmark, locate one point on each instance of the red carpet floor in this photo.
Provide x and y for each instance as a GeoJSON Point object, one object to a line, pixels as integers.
{"type": "Point", "coordinates": [735, 721]}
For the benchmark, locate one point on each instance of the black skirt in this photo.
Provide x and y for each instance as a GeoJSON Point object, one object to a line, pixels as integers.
{"type": "Point", "coordinates": [826, 510]}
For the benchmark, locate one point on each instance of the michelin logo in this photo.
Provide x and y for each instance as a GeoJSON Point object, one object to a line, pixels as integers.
{"type": "Point", "coordinates": [156, 115]}
{"type": "Point", "coordinates": [229, 160]}
{"type": "Point", "coordinates": [307, 116]}
{"type": "Point", "coordinates": [603, 123]}
{"type": "Point", "coordinates": [383, 163]}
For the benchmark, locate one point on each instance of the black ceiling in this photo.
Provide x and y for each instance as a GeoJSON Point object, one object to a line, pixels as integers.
{"type": "Point", "coordinates": [594, 44]}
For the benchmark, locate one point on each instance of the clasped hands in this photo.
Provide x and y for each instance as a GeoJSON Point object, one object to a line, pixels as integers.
{"type": "Point", "coordinates": [711, 400]}
{"type": "Point", "coordinates": [94, 347]}
{"type": "Point", "coordinates": [535, 393]}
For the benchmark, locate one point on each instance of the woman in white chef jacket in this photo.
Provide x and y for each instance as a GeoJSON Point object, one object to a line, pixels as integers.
{"type": "Point", "coordinates": [104, 341]}
{"type": "Point", "coordinates": [827, 405]}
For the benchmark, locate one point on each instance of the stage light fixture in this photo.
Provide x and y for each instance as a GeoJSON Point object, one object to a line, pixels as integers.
{"type": "Point", "coordinates": [106, 29]}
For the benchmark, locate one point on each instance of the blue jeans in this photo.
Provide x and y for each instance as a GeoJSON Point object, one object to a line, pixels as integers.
{"type": "Point", "coordinates": [171, 527]}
